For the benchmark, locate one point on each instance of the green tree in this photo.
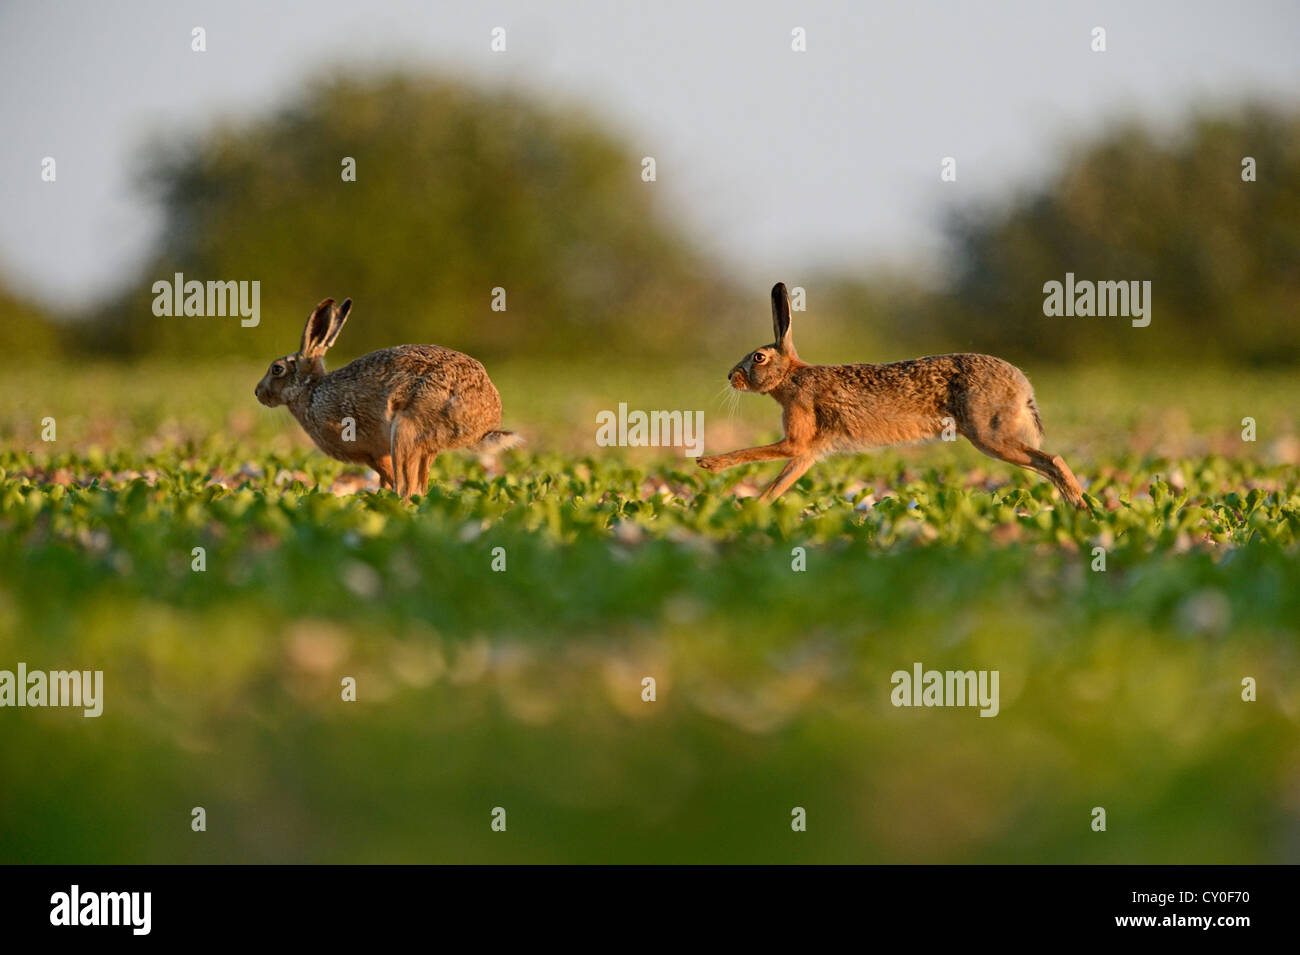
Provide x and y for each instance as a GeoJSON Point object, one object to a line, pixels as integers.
{"type": "Point", "coordinates": [1222, 254]}
{"type": "Point", "coordinates": [26, 330]}
{"type": "Point", "coordinates": [458, 191]}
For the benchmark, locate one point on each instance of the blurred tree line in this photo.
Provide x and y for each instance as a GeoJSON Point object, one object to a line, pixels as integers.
{"type": "Point", "coordinates": [459, 191]}
{"type": "Point", "coordinates": [26, 329]}
{"type": "Point", "coordinates": [1222, 254]}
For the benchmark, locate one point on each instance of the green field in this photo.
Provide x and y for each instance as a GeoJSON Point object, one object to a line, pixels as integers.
{"type": "Point", "coordinates": [521, 688]}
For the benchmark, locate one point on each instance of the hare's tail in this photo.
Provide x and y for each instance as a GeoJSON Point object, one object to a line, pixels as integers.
{"type": "Point", "coordinates": [496, 441]}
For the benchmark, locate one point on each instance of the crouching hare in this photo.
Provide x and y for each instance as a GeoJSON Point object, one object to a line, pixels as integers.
{"type": "Point", "coordinates": [393, 409]}
{"type": "Point", "coordinates": [856, 407]}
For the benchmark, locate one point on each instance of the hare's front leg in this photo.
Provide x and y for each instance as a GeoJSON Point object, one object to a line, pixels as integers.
{"type": "Point", "coordinates": [792, 472]}
{"type": "Point", "coordinates": [800, 428]}
{"type": "Point", "coordinates": [765, 452]}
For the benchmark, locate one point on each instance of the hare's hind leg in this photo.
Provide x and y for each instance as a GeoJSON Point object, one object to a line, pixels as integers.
{"type": "Point", "coordinates": [404, 440]}
{"type": "Point", "coordinates": [384, 468]}
{"type": "Point", "coordinates": [1051, 466]}
{"type": "Point", "coordinates": [1011, 433]}
{"type": "Point", "coordinates": [1059, 473]}
{"type": "Point", "coordinates": [422, 472]}
{"type": "Point", "coordinates": [1054, 468]}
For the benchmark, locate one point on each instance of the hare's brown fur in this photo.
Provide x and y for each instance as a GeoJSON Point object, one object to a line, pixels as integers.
{"type": "Point", "coordinates": [830, 408]}
{"type": "Point", "coordinates": [406, 404]}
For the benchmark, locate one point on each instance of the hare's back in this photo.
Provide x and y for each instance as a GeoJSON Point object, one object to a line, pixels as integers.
{"type": "Point", "coordinates": [937, 372]}
{"type": "Point", "coordinates": [904, 401]}
{"type": "Point", "coordinates": [421, 376]}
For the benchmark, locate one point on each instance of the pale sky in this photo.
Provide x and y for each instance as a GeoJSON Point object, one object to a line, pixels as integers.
{"type": "Point", "coordinates": [779, 161]}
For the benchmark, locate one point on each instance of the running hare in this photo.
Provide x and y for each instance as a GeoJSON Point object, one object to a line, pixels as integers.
{"type": "Point", "coordinates": [393, 409]}
{"type": "Point", "coordinates": [855, 407]}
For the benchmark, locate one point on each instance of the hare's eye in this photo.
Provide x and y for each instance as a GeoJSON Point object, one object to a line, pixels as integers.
{"type": "Point", "coordinates": [278, 370]}
{"type": "Point", "coordinates": [759, 358]}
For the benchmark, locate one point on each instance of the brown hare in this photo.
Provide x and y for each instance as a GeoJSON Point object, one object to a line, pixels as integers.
{"type": "Point", "coordinates": [830, 408]}
{"type": "Point", "coordinates": [393, 409]}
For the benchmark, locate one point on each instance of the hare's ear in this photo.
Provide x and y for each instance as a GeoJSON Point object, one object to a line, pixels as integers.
{"type": "Point", "coordinates": [338, 315]}
{"type": "Point", "coordinates": [317, 330]}
{"type": "Point", "coordinates": [781, 318]}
